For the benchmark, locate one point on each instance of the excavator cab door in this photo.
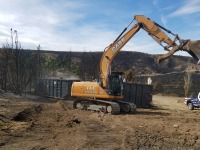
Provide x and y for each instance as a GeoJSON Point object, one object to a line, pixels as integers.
{"type": "Point", "coordinates": [115, 83]}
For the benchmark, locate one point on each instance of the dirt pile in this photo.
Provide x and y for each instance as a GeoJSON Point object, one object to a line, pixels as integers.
{"type": "Point", "coordinates": [28, 114]}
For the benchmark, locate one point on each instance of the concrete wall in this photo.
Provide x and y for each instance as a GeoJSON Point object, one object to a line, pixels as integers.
{"type": "Point", "coordinates": [179, 84]}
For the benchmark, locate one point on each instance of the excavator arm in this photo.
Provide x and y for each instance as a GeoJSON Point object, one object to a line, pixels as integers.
{"type": "Point", "coordinates": [154, 30]}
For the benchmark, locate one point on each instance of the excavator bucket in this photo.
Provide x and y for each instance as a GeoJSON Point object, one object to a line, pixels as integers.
{"type": "Point", "coordinates": [192, 47]}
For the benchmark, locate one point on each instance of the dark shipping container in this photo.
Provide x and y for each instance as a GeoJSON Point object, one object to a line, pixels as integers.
{"type": "Point", "coordinates": [57, 88]}
{"type": "Point", "coordinates": [139, 94]}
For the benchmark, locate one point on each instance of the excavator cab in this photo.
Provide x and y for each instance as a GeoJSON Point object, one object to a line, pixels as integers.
{"type": "Point", "coordinates": [115, 83]}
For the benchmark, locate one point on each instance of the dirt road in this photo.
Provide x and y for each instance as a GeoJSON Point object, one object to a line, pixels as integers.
{"type": "Point", "coordinates": [52, 125]}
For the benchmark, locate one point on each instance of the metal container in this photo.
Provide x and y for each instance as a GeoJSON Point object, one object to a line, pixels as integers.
{"type": "Point", "coordinates": [57, 88]}
{"type": "Point", "coordinates": [139, 94]}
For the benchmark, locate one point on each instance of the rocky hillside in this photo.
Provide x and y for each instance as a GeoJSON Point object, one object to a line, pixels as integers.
{"type": "Point", "coordinates": [139, 63]}
{"type": "Point", "coordinates": [86, 64]}
{"type": "Point", "coordinates": [20, 68]}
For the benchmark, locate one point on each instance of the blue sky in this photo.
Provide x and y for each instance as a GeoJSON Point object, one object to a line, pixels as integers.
{"type": "Point", "coordinates": [91, 25]}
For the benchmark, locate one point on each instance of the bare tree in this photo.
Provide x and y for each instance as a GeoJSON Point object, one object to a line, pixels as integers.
{"type": "Point", "coordinates": [18, 67]}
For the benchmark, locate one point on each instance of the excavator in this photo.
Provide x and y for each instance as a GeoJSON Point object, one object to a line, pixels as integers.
{"type": "Point", "coordinates": [106, 95]}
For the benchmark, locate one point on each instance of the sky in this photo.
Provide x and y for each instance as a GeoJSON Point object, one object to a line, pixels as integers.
{"type": "Point", "coordinates": [92, 25]}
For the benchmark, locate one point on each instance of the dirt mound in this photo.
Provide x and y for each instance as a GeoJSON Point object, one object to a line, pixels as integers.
{"type": "Point", "coordinates": [30, 113]}
{"type": "Point", "coordinates": [57, 106]}
{"type": "Point", "coordinates": [73, 122]}
{"type": "Point", "coordinates": [27, 114]}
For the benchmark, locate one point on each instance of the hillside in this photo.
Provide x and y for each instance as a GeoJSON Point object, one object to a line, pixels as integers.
{"type": "Point", "coordinates": [139, 63]}
{"type": "Point", "coordinates": [85, 65]}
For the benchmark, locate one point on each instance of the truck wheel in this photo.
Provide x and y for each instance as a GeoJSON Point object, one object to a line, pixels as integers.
{"type": "Point", "coordinates": [190, 106]}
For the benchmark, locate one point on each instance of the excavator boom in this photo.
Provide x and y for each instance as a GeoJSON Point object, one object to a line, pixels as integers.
{"type": "Point", "coordinates": [112, 51]}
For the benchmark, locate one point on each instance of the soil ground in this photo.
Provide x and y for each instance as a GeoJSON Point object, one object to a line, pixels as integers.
{"type": "Point", "coordinates": [46, 124]}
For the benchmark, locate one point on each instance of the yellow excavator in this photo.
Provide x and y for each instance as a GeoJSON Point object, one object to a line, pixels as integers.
{"type": "Point", "coordinates": [107, 94]}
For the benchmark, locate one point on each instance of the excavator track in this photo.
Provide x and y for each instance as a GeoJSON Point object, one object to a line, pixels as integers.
{"type": "Point", "coordinates": [126, 107]}
{"type": "Point", "coordinates": [114, 107]}
{"type": "Point", "coordinates": [97, 105]}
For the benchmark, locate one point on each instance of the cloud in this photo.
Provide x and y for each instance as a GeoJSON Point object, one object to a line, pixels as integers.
{"type": "Point", "coordinates": [189, 7]}
{"type": "Point", "coordinates": [162, 17]}
{"type": "Point", "coordinates": [69, 25]}
{"type": "Point", "coordinates": [155, 2]}
{"type": "Point", "coordinates": [164, 20]}
{"type": "Point", "coordinates": [61, 25]}
{"type": "Point", "coordinates": [39, 21]}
